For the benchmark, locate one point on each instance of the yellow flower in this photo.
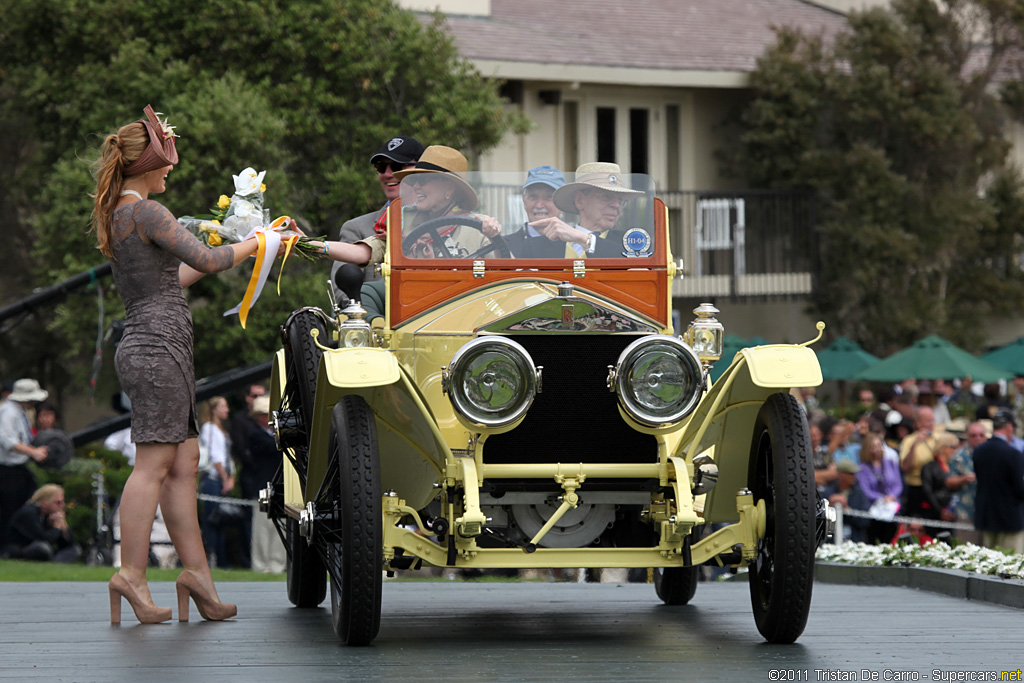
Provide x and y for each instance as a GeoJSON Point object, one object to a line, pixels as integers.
{"type": "Point", "coordinates": [263, 187]}
{"type": "Point", "coordinates": [214, 239]}
{"type": "Point", "coordinates": [215, 221]}
{"type": "Point", "coordinates": [224, 201]}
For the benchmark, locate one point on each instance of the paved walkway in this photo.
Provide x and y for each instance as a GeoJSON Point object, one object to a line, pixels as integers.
{"type": "Point", "coordinates": [506, 632]}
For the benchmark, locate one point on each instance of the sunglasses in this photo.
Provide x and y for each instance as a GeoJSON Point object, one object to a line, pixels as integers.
{"type": "Point", "coordinates": [383, 166]}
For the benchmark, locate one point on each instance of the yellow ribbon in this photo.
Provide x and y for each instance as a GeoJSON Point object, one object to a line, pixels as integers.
{"type": "Point", "coordinates": [250, 290]}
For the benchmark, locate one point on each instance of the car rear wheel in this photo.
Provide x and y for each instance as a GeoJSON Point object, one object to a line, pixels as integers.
{"type": "Point", "coordinates": [306, 573]}
{"type": "Point", "coordinates": [355, 548]}
{"type": "Point", "coordinates": [782, 574]}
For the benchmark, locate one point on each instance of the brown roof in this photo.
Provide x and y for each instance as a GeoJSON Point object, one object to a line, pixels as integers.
{"type": "Point", "coordinates": [717, 35]}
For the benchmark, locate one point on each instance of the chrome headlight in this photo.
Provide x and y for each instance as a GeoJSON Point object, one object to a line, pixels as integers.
{"type": "Point", "coordinates": [491, 381]}
{"type": "Point", "coordinates": [658, 379]}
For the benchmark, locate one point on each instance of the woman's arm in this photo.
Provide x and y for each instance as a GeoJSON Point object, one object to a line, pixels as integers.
{"type": "Point", "coordinates": [156, 224]}
{"type": "Point", "coordinates": [358, 253]}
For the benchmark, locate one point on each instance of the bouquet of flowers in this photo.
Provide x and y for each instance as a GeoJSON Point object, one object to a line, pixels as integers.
{"type": "Point", "coordinates": [235, 218]}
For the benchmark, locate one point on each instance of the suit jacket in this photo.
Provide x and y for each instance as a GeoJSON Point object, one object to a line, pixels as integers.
{"type": "Point", "coordinates": [523, 245]}
{"type": "Point", "coordinates": [999, 500]}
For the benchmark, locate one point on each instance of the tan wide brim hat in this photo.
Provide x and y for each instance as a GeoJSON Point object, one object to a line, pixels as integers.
{"type": "Point", "coordinates": [600, 174]}
{"type": "Point", "coordinates": [261, 404]}
{"type": "Point", "coordinates": [28, 390]}
{"type": "Point", "coordinates": [451, 163]}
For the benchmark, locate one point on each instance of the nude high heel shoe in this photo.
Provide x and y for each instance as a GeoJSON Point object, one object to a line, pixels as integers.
{"type": "Point", "coordinates": [188, 585]}
{"type": "Point", "coordinates": [146, 614]}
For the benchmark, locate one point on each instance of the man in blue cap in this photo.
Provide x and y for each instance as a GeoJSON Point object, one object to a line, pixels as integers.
{"type": "Point", "coordinates": [542, 216]}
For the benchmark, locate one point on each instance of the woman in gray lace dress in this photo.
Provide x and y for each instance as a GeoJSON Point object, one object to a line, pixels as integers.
{"type": "Point", "coordinates": [153, 258]}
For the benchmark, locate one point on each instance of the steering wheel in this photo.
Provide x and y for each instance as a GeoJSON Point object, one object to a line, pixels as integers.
{"type": "Point", "coordinates": [431, 227]}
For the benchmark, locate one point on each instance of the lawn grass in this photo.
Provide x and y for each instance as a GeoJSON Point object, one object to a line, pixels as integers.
{"type": "Point", "coordinates": [20, 570]}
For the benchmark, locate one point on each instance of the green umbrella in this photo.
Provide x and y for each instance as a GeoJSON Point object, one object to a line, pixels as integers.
{"type": "Point", "coordinates": [1009, 357]}
{"type": "Point", "coordinates": [843, 359]}
{"type": "Point", "coordinates": [932, 358]}
{"type": "Point", "coordinates": [731, 343]}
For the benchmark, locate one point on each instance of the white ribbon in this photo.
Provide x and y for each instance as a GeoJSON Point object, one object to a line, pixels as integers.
{"type": "Point", "coordinates": [273, 242]}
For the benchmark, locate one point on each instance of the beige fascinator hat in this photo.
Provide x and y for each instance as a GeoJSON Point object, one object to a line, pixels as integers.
{"type": "Point", "coordinates": [600, 174]}
{"type": "Point", "coordinates": [451, 163]}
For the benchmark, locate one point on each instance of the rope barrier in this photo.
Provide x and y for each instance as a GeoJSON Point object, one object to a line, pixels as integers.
{"type": "Point", "coordinates": [863, 514]}
{"type": "Point", "coordinates": [225, 499]}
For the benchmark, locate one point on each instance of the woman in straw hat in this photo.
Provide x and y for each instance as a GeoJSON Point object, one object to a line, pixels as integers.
{"type": "Point", "coordinates": [436, 187]}
{"type": "Point", "coordinates": [153, 258]}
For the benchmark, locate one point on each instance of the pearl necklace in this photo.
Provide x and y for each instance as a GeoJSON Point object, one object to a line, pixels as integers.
{"type": "Point", "coordinates": [125, 193]}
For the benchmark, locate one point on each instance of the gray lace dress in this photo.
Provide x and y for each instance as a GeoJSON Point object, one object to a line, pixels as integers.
{"type": "Point", "coordinates": [154, 358]}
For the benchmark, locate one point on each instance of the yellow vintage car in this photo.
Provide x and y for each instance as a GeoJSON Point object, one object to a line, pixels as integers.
{"type": "Point", "coordinates": [523, 406]}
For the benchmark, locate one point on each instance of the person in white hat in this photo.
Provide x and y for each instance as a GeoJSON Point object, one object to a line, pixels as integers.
{"type": "Point", "coordinates": [17, 483]}
{"type": "Point", "coordinates": [597, 195]}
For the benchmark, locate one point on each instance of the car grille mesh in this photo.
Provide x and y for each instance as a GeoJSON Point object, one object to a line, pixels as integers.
{"type": "Point", "coordinates": [575, 418]}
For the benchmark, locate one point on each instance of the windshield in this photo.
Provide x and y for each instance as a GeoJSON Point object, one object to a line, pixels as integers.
{"type": "Point", "coordinates": [541, 214]}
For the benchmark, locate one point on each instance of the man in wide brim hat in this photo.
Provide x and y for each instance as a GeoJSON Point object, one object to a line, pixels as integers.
{"type": "Point", "coordinates": [16, 480]}
{"type": "Point", "coordinates": [450, 163]}
{"type": "Point", "coordinates": [597, 174]}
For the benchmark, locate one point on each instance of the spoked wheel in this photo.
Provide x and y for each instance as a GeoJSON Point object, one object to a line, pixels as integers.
{"type": "Point", "coordinates": [355, 550]}
{"type": "Point", "coordinates": [677, 585]}
{"type": "Point", "coordinates": [307, 575]}
{"type": "Point", "coordinates": [782, 575]}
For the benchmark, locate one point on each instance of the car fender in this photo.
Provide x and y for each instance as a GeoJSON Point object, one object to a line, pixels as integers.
{"type": "Point", "coordinates": [723, 422]}
{"type": "Point", "coordinates": [412, 451]}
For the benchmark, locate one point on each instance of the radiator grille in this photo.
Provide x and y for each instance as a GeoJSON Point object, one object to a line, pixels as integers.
{"type": "Point", "coordinates": [575, 418]}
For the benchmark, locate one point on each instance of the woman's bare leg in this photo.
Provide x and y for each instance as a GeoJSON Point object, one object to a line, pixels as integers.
{"type": "Point", "coordinates": [179, 506]}
{"type": "Point", "coordinates": [153, 462]}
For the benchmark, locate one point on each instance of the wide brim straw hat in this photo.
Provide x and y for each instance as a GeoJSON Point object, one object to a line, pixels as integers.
{"type": "Point", "coordinates": [451, 163]}
{"type": "Point", "coordinates": [27, 390]}
{"type": "Point", "coordinates": [160, 151]}
{"type": "Point", "coordinates": [598, 174]}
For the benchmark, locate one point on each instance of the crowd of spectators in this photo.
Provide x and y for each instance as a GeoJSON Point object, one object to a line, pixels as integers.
{"type": "Point", "coordinates": [907, 456]}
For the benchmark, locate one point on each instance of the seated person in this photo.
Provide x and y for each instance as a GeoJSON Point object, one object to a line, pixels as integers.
{"type": "Point", "coordinates": [438, 189]}
{"type": "Point", "coordinates": [846, 491]}
{"type": "Point", "coordinates": [598, 197]}
{"type": "Point", "coordinates": [39, 530]}
{"type": "Point", "coordinates": [538, 200]}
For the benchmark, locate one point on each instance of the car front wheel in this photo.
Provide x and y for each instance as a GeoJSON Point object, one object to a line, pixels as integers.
{"type": "Point", "coordinates": [782, 574]}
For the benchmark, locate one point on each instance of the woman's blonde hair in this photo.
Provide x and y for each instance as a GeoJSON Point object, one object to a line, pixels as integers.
{"type": "Point", "coordinates": [45, 493]}
{"type": "Point", "coordinates": [117, 151]}
{"type": "Point", "coordinates": [867, 445]}
{"type": "Point", "coordinates": [206, 409]}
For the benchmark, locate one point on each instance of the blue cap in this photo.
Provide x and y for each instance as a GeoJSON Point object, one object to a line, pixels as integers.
{"type": "Point", "coordinates": [547, 175]}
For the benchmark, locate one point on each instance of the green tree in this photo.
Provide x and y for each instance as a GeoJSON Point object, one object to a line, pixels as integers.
{"type": "Point", "coordinates": [898, 126]}
{"type": "Point", "coordinates": [305, 90]}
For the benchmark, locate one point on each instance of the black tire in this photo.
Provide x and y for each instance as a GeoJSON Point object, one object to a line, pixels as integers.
{"type": "Point", "coordinates": [303, 361]}
{"type": "Point", "coordinates": [678, 585]}
{"type": "Point", "coordinates": [307, 575]}
{"type": "Point", "coordinates": [782, 575]}
{"type": "Point", "coordinates": [357, 551]}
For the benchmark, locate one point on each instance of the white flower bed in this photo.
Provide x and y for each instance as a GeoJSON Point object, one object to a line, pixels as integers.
{"type": "Point", "coordinates": [967, 557]}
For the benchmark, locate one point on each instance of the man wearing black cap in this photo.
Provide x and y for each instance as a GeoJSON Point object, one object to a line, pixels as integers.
{"type": "Point", "coordinates": [999, 501]}
{"type": "Point", "coordinates": [394, 155]}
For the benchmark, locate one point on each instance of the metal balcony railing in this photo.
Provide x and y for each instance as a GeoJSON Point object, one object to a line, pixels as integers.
{"type": "Point", "coordinates": [753, 243]}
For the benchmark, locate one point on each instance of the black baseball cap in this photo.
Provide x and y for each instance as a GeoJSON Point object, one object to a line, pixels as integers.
{"type": "Point", "coordinates": [403, 149]}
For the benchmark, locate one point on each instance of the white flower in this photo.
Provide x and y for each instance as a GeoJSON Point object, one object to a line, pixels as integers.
{"type": "Point", "coordinates": [248, 182]}
{"type": "Point", "coordinates": [243, 209]}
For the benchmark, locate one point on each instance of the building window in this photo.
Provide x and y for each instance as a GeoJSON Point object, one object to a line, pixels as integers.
{"type": "Point", "coordinates": [606, 134]}
{"type": "Point", "coordinates": [639, 140]}
{"type": "Point", "coordinates": [571, 153]}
